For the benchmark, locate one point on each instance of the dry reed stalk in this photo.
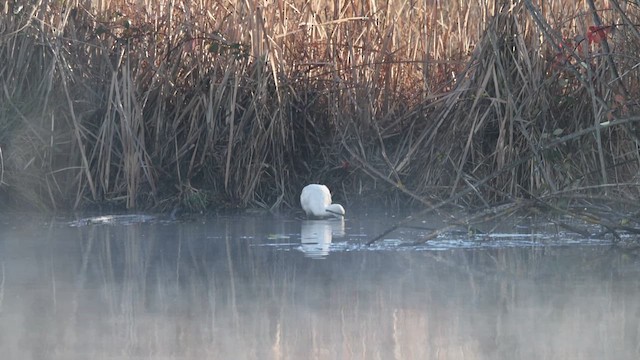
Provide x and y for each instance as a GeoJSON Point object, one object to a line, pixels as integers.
{"type": "Point", "coordinates": [513, 102]}
{"type": "Point", "coordinates": [236, 104]}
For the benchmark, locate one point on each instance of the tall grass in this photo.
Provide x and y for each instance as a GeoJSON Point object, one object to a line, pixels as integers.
{"type": "Point", "coordinates": [232, 104]}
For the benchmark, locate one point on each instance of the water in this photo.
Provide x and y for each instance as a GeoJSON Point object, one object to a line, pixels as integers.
{"type": "Point", "coordinates": [278, 288]}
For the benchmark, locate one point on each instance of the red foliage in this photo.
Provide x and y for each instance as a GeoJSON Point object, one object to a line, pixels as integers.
{"type": "Point", "coordinates": [597, 34]}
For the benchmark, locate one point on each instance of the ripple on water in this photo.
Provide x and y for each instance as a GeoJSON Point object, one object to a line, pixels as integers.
{"type": "Point", "coordinates": [441, 243]}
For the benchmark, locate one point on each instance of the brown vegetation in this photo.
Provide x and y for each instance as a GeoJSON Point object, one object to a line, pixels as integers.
{"type": "Point", "coordinates": [233, 104]}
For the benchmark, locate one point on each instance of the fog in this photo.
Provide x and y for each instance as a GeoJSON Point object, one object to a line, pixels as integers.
{"type": "Point", "coordinates": [256, 288]}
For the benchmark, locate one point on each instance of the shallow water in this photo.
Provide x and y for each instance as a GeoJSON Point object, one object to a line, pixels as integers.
{"type": "Point", "coordinates": [269, 287]}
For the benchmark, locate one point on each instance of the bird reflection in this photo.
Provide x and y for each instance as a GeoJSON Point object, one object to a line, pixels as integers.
{"type": "Point", "coordinates": [316, 236]}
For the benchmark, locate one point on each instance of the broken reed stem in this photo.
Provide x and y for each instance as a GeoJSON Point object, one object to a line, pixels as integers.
{"type": "Point", "coordinates": [484, 180]}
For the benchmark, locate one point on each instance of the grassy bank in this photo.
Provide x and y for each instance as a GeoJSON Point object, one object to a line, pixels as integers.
{"type": "Point", "coordinates": [214, 104]}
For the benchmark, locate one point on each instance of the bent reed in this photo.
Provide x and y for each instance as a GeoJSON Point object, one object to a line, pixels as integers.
{"type": "Point", "coordinates": [226, 104]}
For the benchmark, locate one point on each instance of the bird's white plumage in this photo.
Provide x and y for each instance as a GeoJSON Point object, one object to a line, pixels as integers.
{"type": "Point", "coordinates": [315, 200]}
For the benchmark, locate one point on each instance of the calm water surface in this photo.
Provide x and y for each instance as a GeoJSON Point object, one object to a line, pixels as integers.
{"type": "Point", "coordinates": [265, 287]}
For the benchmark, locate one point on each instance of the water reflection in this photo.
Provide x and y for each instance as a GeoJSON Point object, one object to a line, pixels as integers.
{"type": "Point", "coordinates": [204, 290]}
{"type": "Point", "coordinates": [316, 236]}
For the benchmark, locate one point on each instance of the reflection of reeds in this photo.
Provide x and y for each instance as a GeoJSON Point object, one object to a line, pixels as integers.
{"type": "Point", "coordinates": [211, 104]}
{"type": "Point", "coordinates": [202, 290]}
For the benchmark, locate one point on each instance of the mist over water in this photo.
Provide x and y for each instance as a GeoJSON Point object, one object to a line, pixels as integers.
{"type": "Point", "coordinates": [261, 288]}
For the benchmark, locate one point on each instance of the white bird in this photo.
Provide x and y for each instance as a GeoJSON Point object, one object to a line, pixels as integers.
{"type": "Point", "coordinates": [315, 200]}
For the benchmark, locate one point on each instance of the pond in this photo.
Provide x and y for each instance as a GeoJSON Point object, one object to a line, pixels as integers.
{"type": "Point", "coordinates": [277, 287]}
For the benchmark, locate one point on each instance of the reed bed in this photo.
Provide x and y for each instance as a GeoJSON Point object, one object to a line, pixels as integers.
{"type": "Point", "coordinates": [221, 104]}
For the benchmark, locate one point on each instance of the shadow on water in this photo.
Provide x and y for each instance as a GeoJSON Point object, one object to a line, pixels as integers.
{"type": "Point", "coordinates": [255, 288]}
